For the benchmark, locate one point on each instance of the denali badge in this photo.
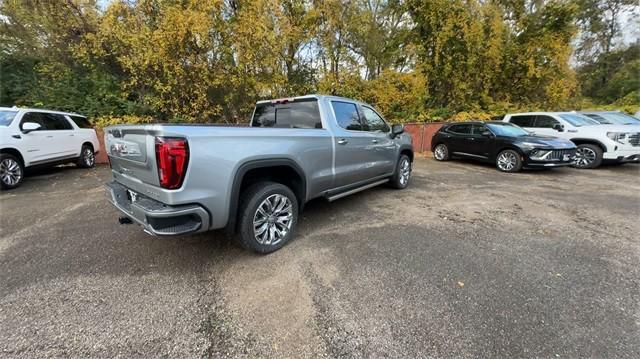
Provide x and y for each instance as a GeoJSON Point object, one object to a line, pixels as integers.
{"type": "Point", "coordinates": [125, 149]}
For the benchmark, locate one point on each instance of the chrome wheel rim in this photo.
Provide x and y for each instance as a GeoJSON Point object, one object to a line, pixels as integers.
{"type": "Point", "coordinates": [405, 171]}
{"type": "Point", "coordinates": [89, 157]}
{"type": "Point", "coordinates": [585, 157]}
{"type": "Point", "coordinates": [507, 161]}
{"type": "Point", "coordinates": [273, 219]}
{"type": "Point", "coordinates": [440, 152]}
{"type": "Point", "coordinates": [10, 172]}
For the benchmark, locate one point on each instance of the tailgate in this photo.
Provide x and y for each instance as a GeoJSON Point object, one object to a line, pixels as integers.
{"type": "Point", "coordinates": [131, 151]}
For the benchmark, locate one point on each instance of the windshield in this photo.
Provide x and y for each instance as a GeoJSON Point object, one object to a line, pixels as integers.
{"type": "Point", "coordinates": [6, 117]}
{"type": "Point", "coordinates": [615, 118]}
{"type": "Point", "coordinates": [578, 120]}
{"type": "Point", "coordinates": [507, 129]}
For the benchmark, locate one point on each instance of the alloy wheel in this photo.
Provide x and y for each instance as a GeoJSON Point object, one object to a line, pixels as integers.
{"type": "Point", "coordinates": [88, 157]}
{"type": "Point", "coordinates": [507, 161]}
{"type": "Point", "coordinates": [585, 157]}
{"type": "Point", "coordinates": [405, 171]}
{"type": "Point", "coordinates": [440, 152]}
{"type": "Point", "coordinates": [10, 172]}
{"type": "Point", "coordinates": [273, 219]}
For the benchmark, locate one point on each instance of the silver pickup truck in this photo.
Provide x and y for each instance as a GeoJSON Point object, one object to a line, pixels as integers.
{"type": "Point", "coordinates": [253, 181]}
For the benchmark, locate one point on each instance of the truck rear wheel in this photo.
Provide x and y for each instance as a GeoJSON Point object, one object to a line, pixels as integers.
{"type": "Point", "coordinates": [268, 216]}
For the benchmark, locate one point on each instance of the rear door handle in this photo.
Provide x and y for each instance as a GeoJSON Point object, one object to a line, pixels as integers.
{"type": "Point", "coordinates": [49, 136]}
{"type": "Point", "coordinates": [342, 141]}
{"type": "Point", "coordinates": [374, 141]}
{"type": "Point", "coordinates": [71, 135]}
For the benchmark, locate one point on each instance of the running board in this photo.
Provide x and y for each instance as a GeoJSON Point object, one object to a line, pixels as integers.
{"type": "Point", "coordinates": [356, 190]}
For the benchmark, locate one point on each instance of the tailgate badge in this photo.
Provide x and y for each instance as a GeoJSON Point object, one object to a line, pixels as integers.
{"type": "Point", "coordinates": [125, 149]}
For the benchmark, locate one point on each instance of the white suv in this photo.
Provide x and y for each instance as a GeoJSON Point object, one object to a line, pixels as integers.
{"type": "Point", "coordinates": [33, 137]}
{"type": "Point", "coordinates": [595, 141]}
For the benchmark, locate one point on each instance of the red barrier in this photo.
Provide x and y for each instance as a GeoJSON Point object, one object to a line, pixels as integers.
{"type": "Point", "coordinates": [422, 133]}
{"type": "Point", "coordinates": [101, 157]}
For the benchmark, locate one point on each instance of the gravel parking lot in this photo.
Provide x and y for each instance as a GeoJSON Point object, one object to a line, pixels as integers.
{"type": "Point", "coordinates": [467, 262]}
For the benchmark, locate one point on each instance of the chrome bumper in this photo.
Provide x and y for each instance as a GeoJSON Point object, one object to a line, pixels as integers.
{"type": "Point", "coordinates": [155, 217]}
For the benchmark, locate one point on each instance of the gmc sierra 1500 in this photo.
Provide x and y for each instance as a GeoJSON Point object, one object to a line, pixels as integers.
{"type": "Point", "coordinates": [254, 181]}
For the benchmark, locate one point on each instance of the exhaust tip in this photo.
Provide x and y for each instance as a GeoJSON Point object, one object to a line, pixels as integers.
{"type": "Point", "coordinates": [124, 220]}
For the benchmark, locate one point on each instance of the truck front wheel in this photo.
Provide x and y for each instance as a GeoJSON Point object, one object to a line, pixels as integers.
{"type": "Point", "coordinates": [268, 216]}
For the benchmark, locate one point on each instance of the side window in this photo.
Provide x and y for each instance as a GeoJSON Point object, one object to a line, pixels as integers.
{"type": "Point", "coordinates": [56, 122]}
{"type": "Point", "coordinates": [347, 115]}
{"type": "Point", "coordinates": [545, 122]}
{"type": "Point", "coordinates": [522, 121]}
{"type": "Point", "coordinates": [81, 122]}
{"type": "Point", "coordinates": [373, 121]}
{"type": "Point", "coordinates": [36, 117]}
{"type": "Point", "coordinates": [296, 114]}
{"type": "Point", "coordinates": [461, 129]}
{"type": "Point", "coordinates": [479, 129]}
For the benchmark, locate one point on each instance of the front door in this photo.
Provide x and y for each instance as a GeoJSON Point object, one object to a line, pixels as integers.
{"type": "Point", "coordinates": [383, 147]}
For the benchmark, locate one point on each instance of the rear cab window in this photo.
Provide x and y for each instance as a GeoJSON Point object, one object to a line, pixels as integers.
{"type": "Point", "coordinates": [303, 113]}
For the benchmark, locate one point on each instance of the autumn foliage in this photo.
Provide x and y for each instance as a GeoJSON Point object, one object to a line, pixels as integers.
{"type": "Point", "coordinates": [209, 61]}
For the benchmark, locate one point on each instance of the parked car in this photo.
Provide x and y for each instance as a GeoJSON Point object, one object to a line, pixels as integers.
{"type": "Point", "coordinates": [596, 142]}
{"type": "Point", "coordinates": [508, 146]}
{"type": "Point", "coordinates": [178, 179]}
{"type": "Point", "coordinates": [611, 117]}
{"type": "Point", "coordinates": [35, 137]}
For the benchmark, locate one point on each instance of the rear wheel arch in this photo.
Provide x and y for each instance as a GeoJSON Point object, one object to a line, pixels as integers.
{"type": "Point", "coordinates": [282, 170]}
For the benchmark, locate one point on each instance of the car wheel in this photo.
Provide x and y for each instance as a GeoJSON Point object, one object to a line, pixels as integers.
{"type": "Point", "coordinates": [401, 177]}
{"type": "Point", "coordinates": [11, 171]}
{"type": "Point", "coordinates": [509, 161]}
{"type": "Point", "coordinates": [588, 156]}
{"type": "Point", "coordinates": [441, 152]}
{"type": "Point", "coordinates": [268, 216]}
{"type": "Point", "coordinates": [87, 157]}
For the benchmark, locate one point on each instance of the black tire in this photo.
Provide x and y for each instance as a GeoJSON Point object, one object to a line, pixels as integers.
{"type": "Point", "coordinates": [87, 157]}
{"type": "Point", "coordinates": [402, 176]}
{"type": "Point", "coordinates": [509, 161]}
{"type": "Point", "coordinates": [588, 156]}
{"type": "Point", "coordinates": [11, 171]}
{"type": "Point", "coordinates": [250, 200]}
{"type": "Point", "coordinates": [441, 156]}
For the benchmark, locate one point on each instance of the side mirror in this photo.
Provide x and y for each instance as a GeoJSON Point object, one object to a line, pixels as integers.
{"type": "Point", "coordinates": [30, 127]}
{"type": "Point", "coordinates": [397, 130]}
{"type": "Point", "coordinates": [558, 127]}
{"type": "Point", "coordinates": [487, 134]}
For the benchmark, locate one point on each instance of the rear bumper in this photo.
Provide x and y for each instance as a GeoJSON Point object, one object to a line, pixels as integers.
{"type": "Point", "coordinates": [156, 217]}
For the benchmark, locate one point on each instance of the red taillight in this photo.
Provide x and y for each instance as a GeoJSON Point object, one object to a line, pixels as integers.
{"type": "Point", "coordinates": [172, 156]}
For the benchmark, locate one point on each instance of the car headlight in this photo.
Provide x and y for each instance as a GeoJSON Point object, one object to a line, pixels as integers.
{"type": "Point", "coordinates": [529, 144]}
{"type": "Point", "coordinates": [617, 136]}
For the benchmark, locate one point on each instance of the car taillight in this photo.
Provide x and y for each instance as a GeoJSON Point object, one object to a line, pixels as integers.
{"type": "Point", "coordinates": [172, 156]}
